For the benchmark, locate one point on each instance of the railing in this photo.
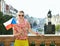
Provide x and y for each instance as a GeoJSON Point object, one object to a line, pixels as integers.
{"type": "Point", "coordinates": [9, 40]}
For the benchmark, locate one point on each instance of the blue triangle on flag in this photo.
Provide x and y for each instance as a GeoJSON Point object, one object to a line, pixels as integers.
{"type": "Point", "coordinates": [13, 21]}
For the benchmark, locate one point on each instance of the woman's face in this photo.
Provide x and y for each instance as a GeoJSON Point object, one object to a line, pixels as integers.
{"type": "Point", "coordinates": [21, 15]}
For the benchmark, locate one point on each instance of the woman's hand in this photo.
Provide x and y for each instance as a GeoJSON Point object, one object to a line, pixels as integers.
{"type": "Point", "coordinates": [39, 34]}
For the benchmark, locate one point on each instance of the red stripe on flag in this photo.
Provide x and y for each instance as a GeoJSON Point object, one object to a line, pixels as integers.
{"type": "Point", "coordinates": [9, 26]}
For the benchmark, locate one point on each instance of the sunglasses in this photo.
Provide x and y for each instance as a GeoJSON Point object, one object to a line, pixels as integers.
{"type": "Point", "coordinates": [21, 15]}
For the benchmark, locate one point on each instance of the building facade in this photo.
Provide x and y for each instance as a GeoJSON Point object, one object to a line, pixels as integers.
{"type": "Point", "coordinates": [7, 9]}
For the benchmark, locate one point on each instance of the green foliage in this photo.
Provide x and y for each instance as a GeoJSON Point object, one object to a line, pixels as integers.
{"type": "Point", "coordinates": [1, 14]}
{"type": "Point", "coordinates": [57, 27]}
{"type": "Point", "coordinates": [3, 19]}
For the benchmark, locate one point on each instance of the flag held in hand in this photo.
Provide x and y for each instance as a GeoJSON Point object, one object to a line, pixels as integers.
{"type": "Point", "coordinates": [10, 23]}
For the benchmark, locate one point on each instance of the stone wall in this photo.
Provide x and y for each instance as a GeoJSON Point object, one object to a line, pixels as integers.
{"type": "Point", "coordinates": [37, 39]}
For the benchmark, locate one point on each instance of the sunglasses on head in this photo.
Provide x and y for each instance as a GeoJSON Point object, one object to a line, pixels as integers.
{"type": "Point", "coordinates": [21, 15]}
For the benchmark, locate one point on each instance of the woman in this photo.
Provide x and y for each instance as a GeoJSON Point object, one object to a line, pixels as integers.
{"type": "Point", "coordinates": [21, 30]}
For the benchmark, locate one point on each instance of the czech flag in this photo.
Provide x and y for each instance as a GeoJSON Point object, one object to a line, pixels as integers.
{"type": "Point", "coordinates": [10, 23]}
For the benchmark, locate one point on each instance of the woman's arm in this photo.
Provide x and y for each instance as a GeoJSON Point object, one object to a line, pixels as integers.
{"type": "Point", "coordinates": [30, 30]}
{"type": "Point", "coordinates": [15, 33]}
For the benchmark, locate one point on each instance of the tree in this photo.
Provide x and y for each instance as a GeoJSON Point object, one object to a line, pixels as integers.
{"type": "Point", "coordinates": [57, 27]}
{"type": "Point", "coordinates": [1, 15]}
{"type": "Point", "coordinates": [3, 19]}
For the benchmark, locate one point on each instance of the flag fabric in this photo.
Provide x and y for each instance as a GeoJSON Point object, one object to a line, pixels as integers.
{"type": "Point", "coordinates": [9, 24]}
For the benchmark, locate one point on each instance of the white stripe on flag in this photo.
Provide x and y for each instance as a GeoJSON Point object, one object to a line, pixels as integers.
{"type": "Point", "coordinates": [8, 22]}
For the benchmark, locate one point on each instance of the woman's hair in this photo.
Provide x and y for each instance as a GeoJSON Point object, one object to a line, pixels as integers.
{"type": "Point", "coordinates": [21, 11]}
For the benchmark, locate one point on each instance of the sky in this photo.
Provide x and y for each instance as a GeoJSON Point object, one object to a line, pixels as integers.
{"type": "Point", "coordinates": [36, 8]}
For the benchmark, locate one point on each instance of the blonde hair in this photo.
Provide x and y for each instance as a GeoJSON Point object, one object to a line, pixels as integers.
{"type": "Point", "coordinates": [20, 12]}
